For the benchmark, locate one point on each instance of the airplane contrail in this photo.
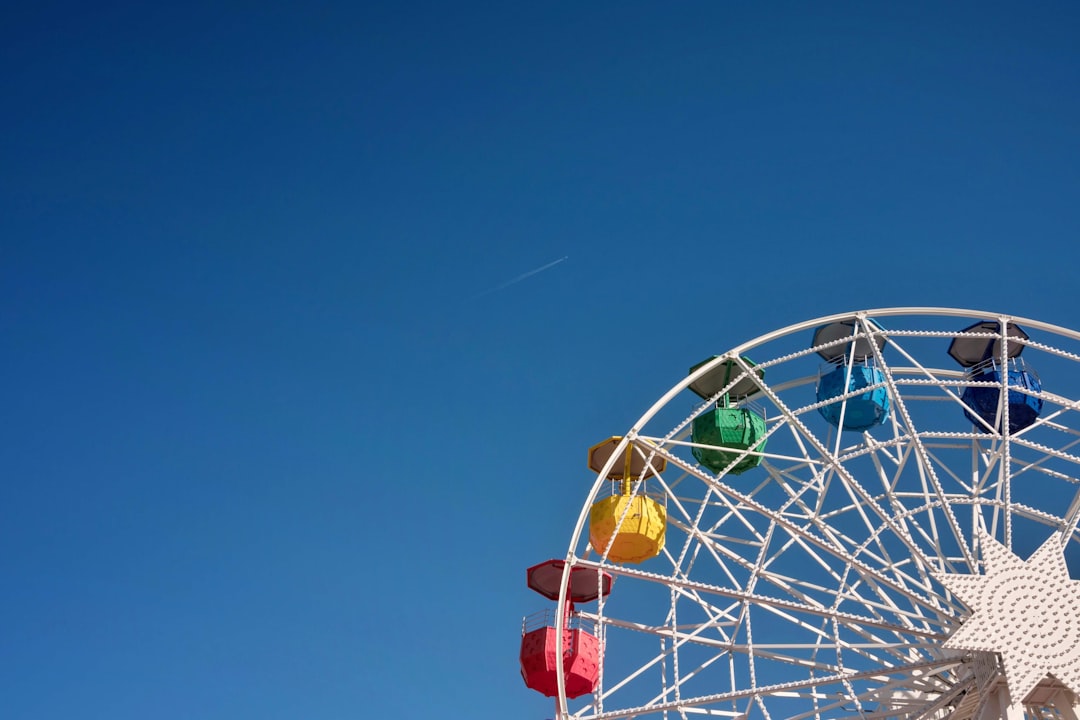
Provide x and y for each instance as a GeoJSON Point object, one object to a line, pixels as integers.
{"type": "Point", "coordinates": [522, 276]}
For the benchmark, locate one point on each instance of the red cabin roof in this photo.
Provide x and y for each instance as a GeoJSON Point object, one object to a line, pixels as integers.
{"type": "Point", "coordinates": [545, 578]}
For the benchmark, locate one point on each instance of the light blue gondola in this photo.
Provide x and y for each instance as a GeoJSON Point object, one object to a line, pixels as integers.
{"type": "Point", "coordinates": [862, 411]}
{"type": "Point", "coordinates": [851, 369]}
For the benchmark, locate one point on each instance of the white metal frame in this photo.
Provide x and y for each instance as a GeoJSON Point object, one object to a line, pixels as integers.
{"type": "Point", "coordinates": [811, 587]}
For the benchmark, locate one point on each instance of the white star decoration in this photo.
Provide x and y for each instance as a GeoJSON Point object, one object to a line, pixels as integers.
{"type": "Point", "coordinates": [1027, 611]}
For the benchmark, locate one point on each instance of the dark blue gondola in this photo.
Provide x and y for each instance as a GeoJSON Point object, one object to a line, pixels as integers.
{"type": "Point", "coordinates": [1024, 409]}
{"type": "Point", "coordinates": [981, 354]}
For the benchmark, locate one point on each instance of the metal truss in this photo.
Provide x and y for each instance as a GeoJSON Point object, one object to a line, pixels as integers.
{"type": "Point", "coordinates": [817, 584]}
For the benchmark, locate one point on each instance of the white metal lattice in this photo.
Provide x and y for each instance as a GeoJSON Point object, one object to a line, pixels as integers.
{"type": "Point", "coordinates": [828, 581]}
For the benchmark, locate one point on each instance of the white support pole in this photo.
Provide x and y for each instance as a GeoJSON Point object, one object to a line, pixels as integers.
{"type": "Point", "coordinates": [1065, 704]}
{"type": "Point", "coordinates": [999, 707]}
{"type": "Point", "coordinates": [1009, 710]}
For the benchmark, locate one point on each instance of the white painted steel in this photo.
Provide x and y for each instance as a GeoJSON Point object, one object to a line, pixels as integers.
{"type": "Point", "coordinates": [818, 584]}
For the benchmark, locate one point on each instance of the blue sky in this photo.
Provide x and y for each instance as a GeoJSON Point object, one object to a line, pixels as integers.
{"type": "Point", "coordinates": [271, 447]}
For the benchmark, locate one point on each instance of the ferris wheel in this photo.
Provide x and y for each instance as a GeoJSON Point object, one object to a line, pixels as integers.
{"type": "Point", "coordinates": [844, 518]}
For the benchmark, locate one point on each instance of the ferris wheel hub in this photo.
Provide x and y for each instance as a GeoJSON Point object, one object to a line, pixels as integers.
{"type": "Point", "coordinates": [1024, 610]}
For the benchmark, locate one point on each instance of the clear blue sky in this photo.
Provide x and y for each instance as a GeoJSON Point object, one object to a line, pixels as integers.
{"type": "Point", "coordinates": [275, 446]}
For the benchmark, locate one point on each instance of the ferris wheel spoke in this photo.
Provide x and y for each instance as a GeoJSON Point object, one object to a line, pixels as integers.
{"type": "Point", "coordinates": [849, 482]}
{"type": "Point", "coordinates": [695, 519]}
{"type": "Point", "coordinates": [924, 464]}
{"type": "Point", "coordinates": [846, 593]}
{"type": "Point", "coordinates": [675, 635]}
{"type": "Point", "coordinates": [1072, 518]}
{"type": "Point", "coordinates": [827, 641]}
{"type": "Point", "coordinates": [678, 639]}
{"type": "Point", "coordinates": [689, 528]}
{"type": "Point", "coordinates": [785, 689]}
{"type": "Point", "coordinates": [807, 538]}
{"type": "Point", "coordinates": [928, 503]}
{"type": "Point", "coordinates": [794, 460]}
{"type": "Point", "coordinates": [926, 596]}
{"type": "Point", "coordinates": [741, 504]}
{"type": "Point", "coordinates": [860, 499]}
{"type": "Point", "coordinates": [716, 544]}
{"type": "Point", "coordinates": [788, 585]}
{"type": "Point", "coordinates": [984, 468]}
{"type": "Point", "coordinates": [717, 616]}
{"type": "Point", "coordinates": [798, 590]}
{"type": "Point", "coordinates": [813, 516]}
{"type": "Point", "coordinates": [1002, 420]}
{"type": "Point", "coordinates": [1037, 465]}
{"type": "Point", "coordinates": [764, 601]}
{"type": "Point", "coordinates": [965, 485]}
{"type": "Point", "coordinates": [887, 604]}
{"type": "Point", "coordinates": [1047, 451]}
{"type": "Point", "coordinates": [896, 499]}
{"type": "Point", "coordinates": [927, 377]}
{"type": "Point", "coordinates": [850, 595]}
{"type": "Point", "coordinates": [1045, 421]}
{"type": "Point", "coordinates": [888, 573]}
{"type": "Point", "coordinates": [918, 704]}
{"type": "Point", "coordinates": [720, 551]}
{"type": "Point", "coordinates": [933, 377]}
{"type": "Point", "coordinates": [685, 679]}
